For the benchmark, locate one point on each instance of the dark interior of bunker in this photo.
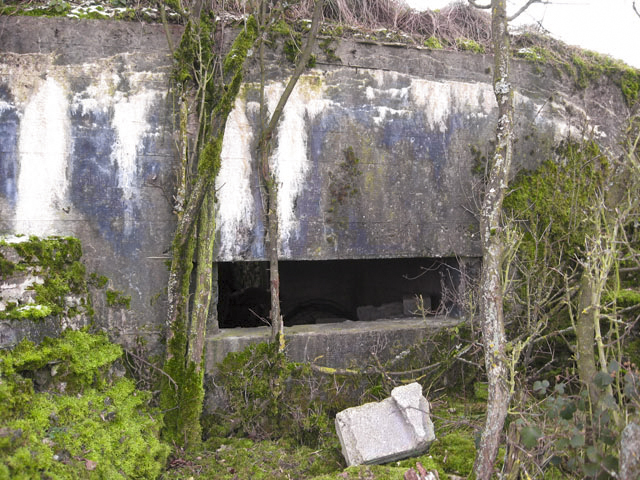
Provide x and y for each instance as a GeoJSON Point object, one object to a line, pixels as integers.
{"type": "Point", "coordinates": [330, 291]}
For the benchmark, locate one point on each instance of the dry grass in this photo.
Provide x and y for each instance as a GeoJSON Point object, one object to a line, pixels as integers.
{"type": "Point", "coordinates": [456, 21]}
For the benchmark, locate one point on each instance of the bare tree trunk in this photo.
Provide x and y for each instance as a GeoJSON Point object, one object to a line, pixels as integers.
{"type": "Point", "coordinates": [269, 186]}
{"type": "Point", "coordinates": [588, 312]}
{"type": "Point", "coordinates": [491, 288]}
{"type": "Point", "coordinates": [602, 252]}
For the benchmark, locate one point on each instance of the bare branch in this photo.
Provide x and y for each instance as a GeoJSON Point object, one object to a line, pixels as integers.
{"type": "Point", "coordinates": [140, 359]}
{"type": "Point", "coordinates": [302, 64]}
{"type": "Point", "coordinates": [525, 6]}
{"type": "Point", "coordinates": [474, 4]}
{"type": "Point", "coordinates": [635, 9]}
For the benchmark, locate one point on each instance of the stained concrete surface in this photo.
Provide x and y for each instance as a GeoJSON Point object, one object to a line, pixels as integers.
{"type": "Point", "coordinates": [335, 345]}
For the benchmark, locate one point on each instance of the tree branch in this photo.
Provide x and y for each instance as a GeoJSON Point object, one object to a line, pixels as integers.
{"type": "Point", "coordinates": [635, 9]}
{"type": "Point", "coordinates": [302, 64]}
{"type": "Point", "coordinates": [474, 4]}
{"type": "Point", "coordinates": [525, 6]}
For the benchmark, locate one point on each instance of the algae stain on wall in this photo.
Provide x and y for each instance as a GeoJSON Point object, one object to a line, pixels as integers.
{"type": "Point", "coordinates": [43, 149]}
{"type": "Point", "coordinates": [116, 108]}
{"type": "Point", "coordinates": [86, 137]}
{"type": "Point", "coordinates": [9, 123]}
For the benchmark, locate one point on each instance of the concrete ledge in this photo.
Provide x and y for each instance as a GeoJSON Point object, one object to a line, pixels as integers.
{"type": "Point", "coordinates": [336, 345]}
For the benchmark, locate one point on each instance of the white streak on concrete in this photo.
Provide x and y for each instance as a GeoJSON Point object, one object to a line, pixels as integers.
{"type": "Point", "coordinates": [382, 113]}
{"type": "Point", "coordinates": [5, 106]}
{"type": "Point", "coordinates": [100, 95]}
{"type": "Point", "coordinates": [233, 185]}
{"type": "Point", "coordinates": [130, 124]}
{"type": "Point", "coordinates": [43, 149]}
{"type": "Point", "coordinates": [130, 109]}
{"type": "Point", "coordinates": [289, 161]}
{"type": "Point", "coordinates": [370, 92]}
{"type": "Point", "coordinates": [440, 100]}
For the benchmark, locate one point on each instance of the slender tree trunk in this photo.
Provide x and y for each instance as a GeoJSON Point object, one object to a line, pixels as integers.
{"type": "Point", "coordinates": [182, 392]}
{"type": "Point", "coordinates": [491, 288]}
{"type": "Point", "coordinates": [601, 254]}
{"type": "Point", "coordinates": [269, 186]}
{"type": "Point", "coordinates": [588, 312]}
{"type": "Point", "coordinates": [204, 281]}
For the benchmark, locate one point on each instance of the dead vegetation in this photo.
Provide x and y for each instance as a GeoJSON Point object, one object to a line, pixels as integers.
{"type": "Point", "coordinates": [450, 24]}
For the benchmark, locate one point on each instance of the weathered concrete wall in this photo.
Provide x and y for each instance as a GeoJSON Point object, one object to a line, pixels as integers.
{"type": "Point", "coordinates": [334, 345]}
{"type": "Point", "coordinates": [86, 150]}
{"type": "Point", "coordinates": [376, 152]}
{"type": "Point", "coordinates": [374, 156]}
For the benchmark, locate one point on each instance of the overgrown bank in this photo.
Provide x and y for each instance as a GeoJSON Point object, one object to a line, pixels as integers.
{"type": "Point", "coordinates": [67, 411]}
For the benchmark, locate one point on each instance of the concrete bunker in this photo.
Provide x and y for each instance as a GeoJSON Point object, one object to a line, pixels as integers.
{"type": "Point", "coordinates": [335, 291]}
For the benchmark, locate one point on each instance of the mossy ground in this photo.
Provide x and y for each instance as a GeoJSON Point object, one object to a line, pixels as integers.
{"type": "Point", "coordinates": [277, 423]}
{"type": "Point", "coordinates": [231, 458]}
{"type": "Point", "coordinates": [64, 415]}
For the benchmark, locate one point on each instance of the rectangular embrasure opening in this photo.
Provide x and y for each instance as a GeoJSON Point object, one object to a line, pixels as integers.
{"type": "Point", "coordinates": [332, 291]}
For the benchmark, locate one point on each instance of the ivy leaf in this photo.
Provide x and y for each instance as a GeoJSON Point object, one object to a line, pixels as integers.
{"type": "Point", "coordinates": [632, 385]}
{"type": "Point", "coordinates": [567, 411]}
{"type": "Point", "coordinates": [529, 436]}
{"type": "Point", "coordinates": [610, 463]}
{"type": "Point", "coordinates": [590, 469]}
{"type": "Point", "coordinates": [609, 437]}
{"type": "Point", "coordinates": [540, 387]}
{"type": "Point", "coordinates": [609, 401]}
{"type": "Point", "coordinates": [593, 455]}
{"type": "Point", "coordinates": [602, 379]}
{"type": "Point", "coordinates": [613, 367]}
{"type": "Point", "coordinates": [577, 440]}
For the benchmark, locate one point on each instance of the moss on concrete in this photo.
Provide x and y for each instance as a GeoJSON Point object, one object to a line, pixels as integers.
{"type": "Point", "coordinates": [116, 298]}
{"type": "Point", "coordinates": [95, 10]}
{"type": "Point", "coordinates": [469, 45]}
{"type": "Point", "coordinates": [554, 199]}
{"type": "Point", "coordinates": [56, 260]}
{"type": "Point", "coordinates": [585, 68]}
{"type": "Point", "coordinates": [433, 43]}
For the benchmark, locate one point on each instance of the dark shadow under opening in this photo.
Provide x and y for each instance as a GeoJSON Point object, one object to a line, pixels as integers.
{"type": "Point", "coordinates": [329, 291]}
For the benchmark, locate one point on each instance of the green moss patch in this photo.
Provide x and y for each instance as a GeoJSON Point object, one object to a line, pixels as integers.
{"type": "Point", "coordinates": [63, 416]}
{"type": "Point", "coordinates": [469, 45]}
{"type": "Point", "coordinates": [62, 289]}
{"type": "Point", "coordinates": [584, 67]}
{"type": "Point", "coordinates": [556, 199]}
{"type": "Point", "coordinates": [116, 298]}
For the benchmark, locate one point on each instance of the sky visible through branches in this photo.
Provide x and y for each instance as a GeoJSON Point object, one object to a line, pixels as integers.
{"type": "Point", "coordinates": [605, 26]}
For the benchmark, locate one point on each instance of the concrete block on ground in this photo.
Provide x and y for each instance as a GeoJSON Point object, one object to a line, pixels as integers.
{"type": "Point", "coordinates": [395, 428]}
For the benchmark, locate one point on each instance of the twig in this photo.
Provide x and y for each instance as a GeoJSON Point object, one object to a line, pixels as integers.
{"type": "Point", "coordinates": [171, 380]}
